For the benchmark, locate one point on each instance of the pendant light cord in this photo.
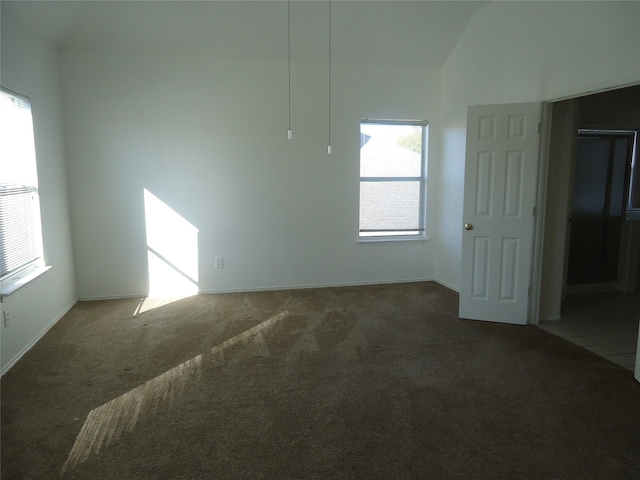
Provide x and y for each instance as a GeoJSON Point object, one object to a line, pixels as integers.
{"type": "Point", "coordinates": [329, 147]}
{"type": "Point", "coordinates": [289, 132]}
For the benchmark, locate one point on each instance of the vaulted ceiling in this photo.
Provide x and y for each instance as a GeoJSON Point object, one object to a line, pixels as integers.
{"type": "Point", "coordinates": [363, 32]}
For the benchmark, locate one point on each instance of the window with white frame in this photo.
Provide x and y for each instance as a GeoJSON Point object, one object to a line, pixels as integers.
{"type": "Point", "coordinates": [393, 158]}
{"type": "Point", "coordinates": [20, 228]}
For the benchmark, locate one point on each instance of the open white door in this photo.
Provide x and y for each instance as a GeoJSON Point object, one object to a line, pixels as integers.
{"type": "Point", "coordinates": [501, 174]}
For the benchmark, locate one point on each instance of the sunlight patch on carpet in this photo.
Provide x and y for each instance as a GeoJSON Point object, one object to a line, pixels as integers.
{"type": "Point", "coordinates": [149, 303]}
{"type": "Point", "coordinates": [107, 423]}
{"type": "Point", "coordinates": [252, 337]}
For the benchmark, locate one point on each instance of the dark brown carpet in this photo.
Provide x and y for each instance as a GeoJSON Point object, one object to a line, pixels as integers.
{"type": "Point", "coordinates": [362, 382]}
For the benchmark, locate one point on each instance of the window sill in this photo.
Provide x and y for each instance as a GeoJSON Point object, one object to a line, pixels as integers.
{"type": "Point", "coordinates": [417, 238]}
{"type": "Point", "coordinates": [21, 279]}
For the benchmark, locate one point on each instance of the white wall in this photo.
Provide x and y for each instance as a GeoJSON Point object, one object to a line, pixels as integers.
{"type": "Point", "coordinates": [207, 135]}
{"type": "Point", "coordinates": [521, 52]}
{"type": "Point", "coordinates": [29, 67]}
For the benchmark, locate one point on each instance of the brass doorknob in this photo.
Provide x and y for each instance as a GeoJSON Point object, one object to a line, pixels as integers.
{"type": "Point", "coordinates": [468, 226]}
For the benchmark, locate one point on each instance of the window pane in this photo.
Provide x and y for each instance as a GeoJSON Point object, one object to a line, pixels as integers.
{"type": "Point", "coordinates": [17, 148]}
{"type": "Point", "coordinates": [20, 230]}
{"type": "Point", "coordinates": [390, 206]}
{"type": "Point", "coordinates": [390, 150]}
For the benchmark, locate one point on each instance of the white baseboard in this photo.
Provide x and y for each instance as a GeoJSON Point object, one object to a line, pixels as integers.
{"type": "Point", "coordinates": [277, 287]}
{"type": "Point", "coordinates": [320, 285]}
{"type": "Point", "coordinates": [35, 340]}
{"type": "Point", "coordinates": [447, 285]}
{"type": "Point", "coordinates": [111, 297]}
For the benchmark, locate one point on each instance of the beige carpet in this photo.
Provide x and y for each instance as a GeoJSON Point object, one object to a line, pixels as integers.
{"type": "Point", "coordinates": [360, 382]}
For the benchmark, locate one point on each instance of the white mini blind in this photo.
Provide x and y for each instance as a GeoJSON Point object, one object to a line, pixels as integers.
{"type": "Point", "coordinates": [20, 231]}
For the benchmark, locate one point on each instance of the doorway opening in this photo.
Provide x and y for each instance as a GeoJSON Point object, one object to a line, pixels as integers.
{"type": "Point", "coordinates": [598, 207]}
{"type": "Point", "coordinates": [591, 245]}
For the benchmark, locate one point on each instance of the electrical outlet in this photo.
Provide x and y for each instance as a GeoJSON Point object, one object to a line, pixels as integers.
{"type": "Point", "coordinates": [5, 317]}
{"type": "Point", "coordinates": [219, 262]}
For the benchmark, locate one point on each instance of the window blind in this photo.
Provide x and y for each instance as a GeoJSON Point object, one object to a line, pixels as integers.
{"type": "Point", "coordinates": [18, 232]}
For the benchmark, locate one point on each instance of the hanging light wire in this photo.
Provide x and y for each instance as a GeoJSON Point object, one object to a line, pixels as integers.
{"type": "Point", "coordinates": [329, 147]}
{"type": "Point", "coordinates": [289, 131]}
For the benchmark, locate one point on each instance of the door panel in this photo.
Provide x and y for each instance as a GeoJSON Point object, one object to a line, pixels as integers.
{"type": "Point", "coordinates": [500, 187]}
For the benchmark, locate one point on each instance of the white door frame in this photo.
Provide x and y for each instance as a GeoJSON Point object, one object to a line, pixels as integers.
{"type": "Point", "coordinates": [541, 206]}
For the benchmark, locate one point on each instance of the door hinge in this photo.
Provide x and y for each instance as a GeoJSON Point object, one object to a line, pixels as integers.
{"type": "Point", "coordinates": [529, 291]}
{"type": "Point", "coordinates": [534, 211]}
{"type": "Point", "coordinates": [539, 127]}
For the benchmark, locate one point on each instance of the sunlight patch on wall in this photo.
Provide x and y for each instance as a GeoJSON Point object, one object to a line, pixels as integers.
{"type": "Point", "coordinates": [172, 251]}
